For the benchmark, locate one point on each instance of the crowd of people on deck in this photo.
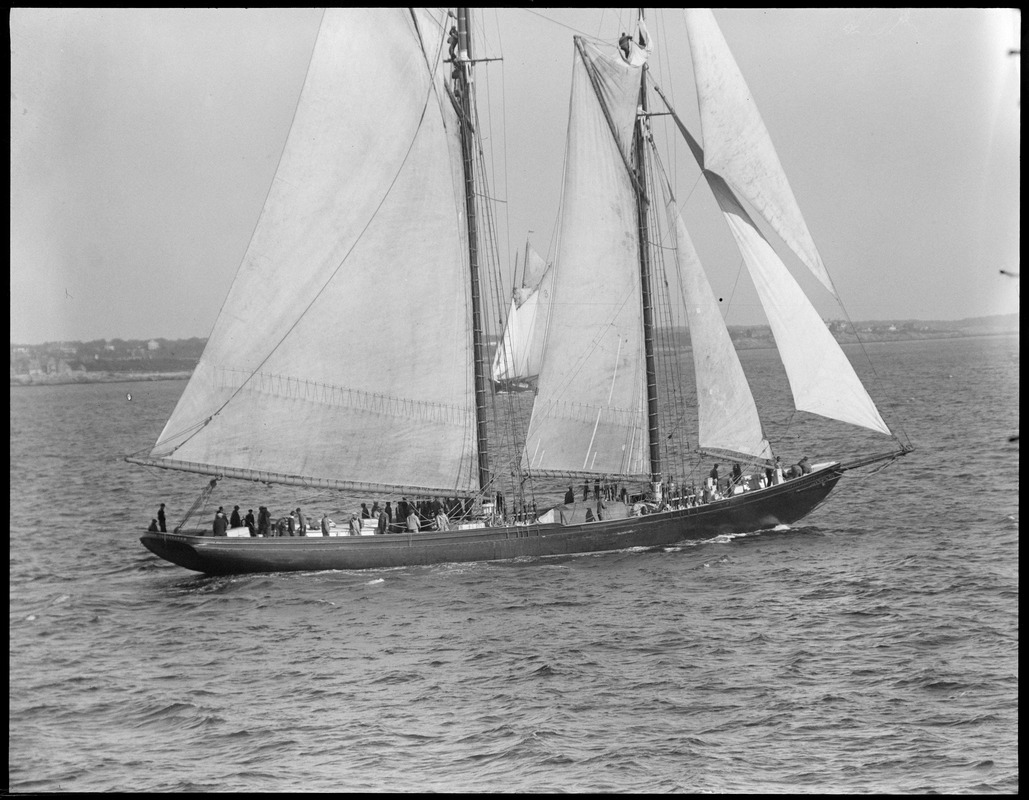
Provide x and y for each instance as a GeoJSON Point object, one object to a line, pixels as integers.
{"type": "Point", "coordinates": [441, 514]}
{"type": "Point", "coordinates": [715, 488]}
{"type": "Point", "coordinates": [676, 496]}
{"type": "Point", "coordinates": [407, 516]}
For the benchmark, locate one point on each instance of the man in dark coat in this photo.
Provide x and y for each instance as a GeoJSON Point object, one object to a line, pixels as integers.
{"type": "Point", "coordinates": [221, 522]}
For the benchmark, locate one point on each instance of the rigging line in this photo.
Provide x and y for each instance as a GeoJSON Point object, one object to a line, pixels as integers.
{"type": "Point", "coordinates": [672, 366]}
{"type": "Point", "coordinates": [679, 282]}
{"type": "Point", "coordinates": [303, 313]}
{"type": "Point", "coordinates": [578, 31]}
{"type": "Point", "coordinates": [507, 434]}
{"type": "Point", "coordinates": [493, 312]}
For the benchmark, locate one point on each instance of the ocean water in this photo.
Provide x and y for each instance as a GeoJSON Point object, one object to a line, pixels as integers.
{"type": "Point", "coordinates": [873, 648]}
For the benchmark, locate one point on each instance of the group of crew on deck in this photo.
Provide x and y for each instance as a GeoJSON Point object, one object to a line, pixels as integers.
{"type": "Point", "coordinates": [675, 496]}
{"type": "Point", "coordinates": [439, 515]}
{"type": "Point", "coordinates": [737, 483]}
{"type": "Point", "coordinates": [435, 514]}
{"type": "Point", "coordinates": [418, 515]}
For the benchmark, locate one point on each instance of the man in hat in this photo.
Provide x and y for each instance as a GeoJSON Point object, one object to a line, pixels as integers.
{"type": "Point", "coordinates": [221, 522]}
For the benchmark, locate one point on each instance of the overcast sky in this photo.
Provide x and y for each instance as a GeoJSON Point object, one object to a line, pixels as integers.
{"type": "Point", "coordinates": [143, 143]}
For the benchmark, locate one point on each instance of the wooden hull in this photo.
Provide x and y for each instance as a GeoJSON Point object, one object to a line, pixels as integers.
{"type": "Point", "coordinates": [751, 511]}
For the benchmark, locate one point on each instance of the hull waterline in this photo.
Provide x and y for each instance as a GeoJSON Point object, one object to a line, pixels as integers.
{"type": "Point", "coordinates": [751, 511]}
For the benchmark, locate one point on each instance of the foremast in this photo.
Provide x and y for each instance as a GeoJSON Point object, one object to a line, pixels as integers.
{"type": "Point", "coordinates": [462, 66]}
{"type": "Point", "coordinates": [642, 212]}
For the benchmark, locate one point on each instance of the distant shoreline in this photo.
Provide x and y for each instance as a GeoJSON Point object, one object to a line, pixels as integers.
{"type": "Point", "coordinates": [97, 377]}
{"type": "Point", "coordinates": [758, 343]}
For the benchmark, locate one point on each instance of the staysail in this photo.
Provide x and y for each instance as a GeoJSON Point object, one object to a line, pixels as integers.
{"type": "Point", "coordinates": [821, 378]}
{"type": "Point", "coordinates": [590, 410]}
{"type": "Point", "coordinates": [520, 352]}
{"type": "Point", "coordinates": [314, 372]}
{"type": "Point", "coordinates": [727, 414]}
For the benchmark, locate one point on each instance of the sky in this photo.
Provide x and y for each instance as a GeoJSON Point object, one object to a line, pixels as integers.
{"type": "Point", "coordinates": [143, 143]}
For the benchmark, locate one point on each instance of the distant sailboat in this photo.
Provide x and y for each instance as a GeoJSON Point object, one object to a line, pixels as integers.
{"type": "Point", "coordinates": [516, 362]}
{"type": "Point", "coordinates": [291, 391]}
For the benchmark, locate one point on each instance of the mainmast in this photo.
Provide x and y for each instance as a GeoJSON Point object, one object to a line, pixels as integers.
{"type": "Point", "coordinates": [639, 165]}
{"type": "Point", "coordinates": [462, 65]}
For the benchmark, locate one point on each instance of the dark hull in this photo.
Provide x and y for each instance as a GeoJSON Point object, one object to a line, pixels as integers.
{"type": "Point", "coordinates": [756, 510]}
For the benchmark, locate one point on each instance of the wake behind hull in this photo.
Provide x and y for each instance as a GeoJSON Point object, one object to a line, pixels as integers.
{"type": "Point", "coordinates": [751, 511]}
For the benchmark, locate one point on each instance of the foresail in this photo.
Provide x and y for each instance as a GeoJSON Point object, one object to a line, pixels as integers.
{"type": "Point", "coordinates": [821, 377]}
{"type": "Point", "coordinates": [589, 415]}
{"type": "Point", "coordinates": [736, 142]}
{"type": "Point", "coordinates": [727, 413]}
{"type": "Point", "coordinates": [316, 368]}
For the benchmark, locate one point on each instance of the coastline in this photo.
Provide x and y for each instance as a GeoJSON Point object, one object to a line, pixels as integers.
{"type": "Point", "coordinates": [96, 377]}
{"type": "Point", "coordinates": [760, 342]}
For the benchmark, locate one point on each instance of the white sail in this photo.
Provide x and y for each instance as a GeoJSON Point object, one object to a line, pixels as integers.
{"type": "Point", "coordinates": [534, 269]}
{"type": "Point", "coordinates": [315, 370]}
{"type": "Point", "coordinates": [589, 415]}
{"type": "Point", "coordinates": [520, 352]}
{"type": "Point", "coordinates": [727, 414]}
{"type": "Point", "coordinates": [736, 142]}
{"type": "Point", "coordinates": [821, 378]}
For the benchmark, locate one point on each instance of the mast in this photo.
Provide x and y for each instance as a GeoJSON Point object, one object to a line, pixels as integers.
{"type": "Point", "coordinates": [462, 74]}
{"type": "Point", "coordinates": [642, 205]}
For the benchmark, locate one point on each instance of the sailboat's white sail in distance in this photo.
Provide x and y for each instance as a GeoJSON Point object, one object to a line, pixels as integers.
{"type": "Point", "coordinates": [315, 370]}
{"type": "Point", "coordinates": [736, 142]}
{"type": "Point", "coordinates": [726, 411]}
{"type": "Point", "coordinates": [821, 378]}
{"type": "Point", "coordinates": [520, 352]}
{"type": "Point", "coordinates": [589, 414]}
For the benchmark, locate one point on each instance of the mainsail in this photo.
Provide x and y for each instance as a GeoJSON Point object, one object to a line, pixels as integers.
{"type": "Point", "coordinates": [520, 352]}
{"type": "Point", "coordinates": [314, 372]}
{"type": "Point", "coordinates": [590, 410]}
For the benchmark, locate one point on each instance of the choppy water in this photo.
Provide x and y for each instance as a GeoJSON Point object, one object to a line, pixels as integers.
{"type": "Point", "coordinates": [872, 649]}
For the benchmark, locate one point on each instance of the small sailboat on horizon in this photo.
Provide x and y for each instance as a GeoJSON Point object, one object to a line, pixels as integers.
{"type": "Point", "coordinates": [291, 392]}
